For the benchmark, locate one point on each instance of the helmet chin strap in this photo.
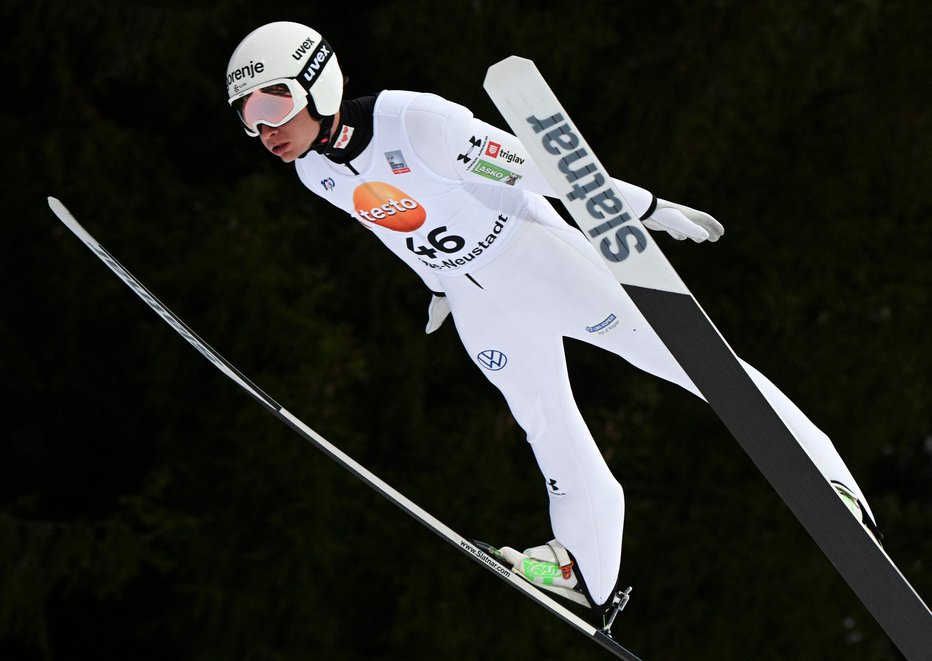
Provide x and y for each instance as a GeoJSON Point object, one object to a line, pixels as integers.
{"type": "Point", "coordinates": [322, 143]}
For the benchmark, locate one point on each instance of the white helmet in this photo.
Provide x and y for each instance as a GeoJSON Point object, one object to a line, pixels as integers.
{"type": "Point", "coordinates": [283, 53]}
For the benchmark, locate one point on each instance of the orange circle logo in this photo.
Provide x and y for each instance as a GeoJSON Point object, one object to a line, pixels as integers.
{"type": "Point", "coordinates": [385, 205]}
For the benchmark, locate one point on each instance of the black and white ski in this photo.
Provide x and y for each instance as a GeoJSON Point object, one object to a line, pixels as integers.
{"type": "Point", "coordinates": [601, 636]}
{"type": "Point", "coordinates": [585, 188]}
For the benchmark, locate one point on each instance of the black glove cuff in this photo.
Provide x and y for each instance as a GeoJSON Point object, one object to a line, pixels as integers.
{"type": "Point", "coordinates": [651, 208]}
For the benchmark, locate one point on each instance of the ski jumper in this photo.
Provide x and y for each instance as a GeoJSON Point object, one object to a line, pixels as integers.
{"type": "Point", "coordinates": [460, 202]}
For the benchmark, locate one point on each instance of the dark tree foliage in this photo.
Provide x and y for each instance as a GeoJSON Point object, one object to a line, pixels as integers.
{"type": "Point", "coordinates": [150, 510]}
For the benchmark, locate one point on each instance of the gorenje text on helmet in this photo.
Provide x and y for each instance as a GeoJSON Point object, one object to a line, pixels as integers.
{"type": "Point", "coordinates": [251, 69]}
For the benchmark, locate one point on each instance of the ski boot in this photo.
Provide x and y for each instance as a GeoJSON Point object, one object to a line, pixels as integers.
{"type": "Point", "coordinates": [548, 567]}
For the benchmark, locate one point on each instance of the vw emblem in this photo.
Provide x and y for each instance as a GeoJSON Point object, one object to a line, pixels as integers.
{"type": "Point", "coordinates": [492, 359]}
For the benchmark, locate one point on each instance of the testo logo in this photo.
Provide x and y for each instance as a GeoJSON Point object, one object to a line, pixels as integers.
{"type": "Point", "coordinates": [385, 205]}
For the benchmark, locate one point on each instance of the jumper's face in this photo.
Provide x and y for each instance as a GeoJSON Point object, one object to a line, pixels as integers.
{"type": "Point", "coordinates": [277, 113]}
{"type": "Point", "coordinates": [291, 139]}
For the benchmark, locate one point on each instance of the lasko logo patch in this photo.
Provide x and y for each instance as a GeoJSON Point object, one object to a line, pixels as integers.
{"type": "Point", "coordinates": [385, 205]}
{"type": "Point", "coordinates": [490, 171]}
{"type": "Point", "coordinates": [492, 359]}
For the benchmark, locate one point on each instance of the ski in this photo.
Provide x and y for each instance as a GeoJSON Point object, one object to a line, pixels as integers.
{"type": "Point", "coordinates": [556, 145]}
{"type": "Point", "coordinates": [601, 636]}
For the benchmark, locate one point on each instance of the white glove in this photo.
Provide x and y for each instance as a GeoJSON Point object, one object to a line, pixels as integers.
{"type": "Point", "coordinates": [438, 311]}
{"type": "Point", "coordinates": [681, 222]}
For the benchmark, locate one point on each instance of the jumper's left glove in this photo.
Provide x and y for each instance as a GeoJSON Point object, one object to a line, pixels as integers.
{"type": "Point", "coordinates": [438, 311]}
{"type": "Point", "coordinates": [682, 222]}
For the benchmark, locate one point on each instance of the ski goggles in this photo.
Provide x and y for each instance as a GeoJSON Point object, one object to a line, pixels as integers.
{"type": "Point", "coordinates": [273, 104]}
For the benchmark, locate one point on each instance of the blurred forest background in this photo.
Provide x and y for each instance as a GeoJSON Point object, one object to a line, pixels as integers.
{"type": "Point", "coordinates": [149, 509]}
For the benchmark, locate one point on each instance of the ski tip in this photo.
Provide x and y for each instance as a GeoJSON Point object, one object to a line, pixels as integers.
{"type": "Point", "coordinates": [69, 221]}
{"type": "Point", "coordinates": [514, 61]}
{"type": "Point", "coordinates": [511, 68]}
{"type": "Point", "coordinates": [60, 210]}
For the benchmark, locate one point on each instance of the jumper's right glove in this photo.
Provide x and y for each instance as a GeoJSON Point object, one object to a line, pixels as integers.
{"type": "Point", "coordinates": [682, 222]}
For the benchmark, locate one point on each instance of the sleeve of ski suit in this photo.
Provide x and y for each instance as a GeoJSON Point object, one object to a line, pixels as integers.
{"type": "Point", "coordinates": [456, 145]}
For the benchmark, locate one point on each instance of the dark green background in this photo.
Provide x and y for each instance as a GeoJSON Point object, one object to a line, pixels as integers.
{"type": "Point", "coordinates": [149, 509]}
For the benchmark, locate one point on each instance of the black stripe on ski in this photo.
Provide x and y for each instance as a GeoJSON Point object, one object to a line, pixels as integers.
{"type": "Point", "coordinates": [712, 366]}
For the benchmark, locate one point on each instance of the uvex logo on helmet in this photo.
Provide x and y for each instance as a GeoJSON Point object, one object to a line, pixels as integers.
{"type": "Point", "coordinates": [302, 49]}
{"type": "Point", "coordinates": [385, 205]}
{"type": "Point", "coordinates": [318, 60]}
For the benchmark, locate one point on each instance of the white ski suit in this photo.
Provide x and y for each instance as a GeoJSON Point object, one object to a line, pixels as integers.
{"type": "Point", "coordinates": [461, 203]}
